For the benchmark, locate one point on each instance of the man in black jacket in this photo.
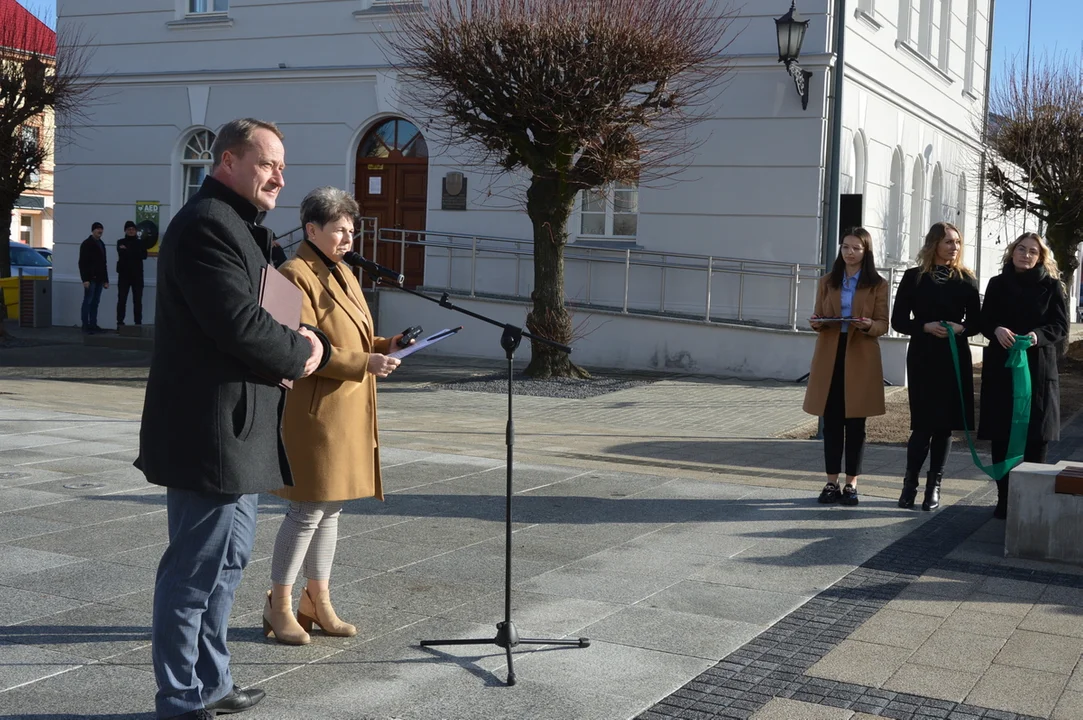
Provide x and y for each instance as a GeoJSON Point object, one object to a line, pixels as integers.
{"type": "Point", "coordinates": [213, 411]}
{"type": "Point", "coordinates": [94, 272]}
{"type": "Point", "coordinates": [131, 252]}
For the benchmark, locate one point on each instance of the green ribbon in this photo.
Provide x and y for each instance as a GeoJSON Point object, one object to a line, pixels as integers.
{"type": "Point", "coordinates": [1020, 373]}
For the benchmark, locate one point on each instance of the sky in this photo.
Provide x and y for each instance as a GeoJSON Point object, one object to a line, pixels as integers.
{"type": "Point", "coordinates": [1054, 31]}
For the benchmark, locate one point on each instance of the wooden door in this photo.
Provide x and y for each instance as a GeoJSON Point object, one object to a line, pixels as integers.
{"type": "Point", "coordinates": [392, 186]}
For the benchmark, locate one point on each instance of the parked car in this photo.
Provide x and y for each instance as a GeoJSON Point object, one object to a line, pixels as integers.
{"type": "Point", "coordinates": [45, 253]}
{"type": "Point", "coordinates": [25, 259]}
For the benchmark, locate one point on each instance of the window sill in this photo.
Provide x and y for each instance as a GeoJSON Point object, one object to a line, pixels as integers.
{"type": "Point", "coordinates": [208, 20]}
{"type": "Point", "coordinates": [380, 10]}
{"type": "Point", "coordinates": [914, 52]}
{"type": "Point", "coordinates": [971, 94]}
{"type": "Point", "coordinates": [868, 18]}
{"type": "Point", "coordinates": [607, 242]}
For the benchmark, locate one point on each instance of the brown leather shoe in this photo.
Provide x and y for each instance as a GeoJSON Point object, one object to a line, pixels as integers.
{"type": "Point", "coordinates": [318, 610]}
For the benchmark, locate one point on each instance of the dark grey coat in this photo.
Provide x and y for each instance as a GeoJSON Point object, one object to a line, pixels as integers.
{"type": "Point", "coordinates": [213, 409]}
{"type": "Point", "coordinates": [934, 391]}
{"type": "Point", "coordinates": [1022, 302]}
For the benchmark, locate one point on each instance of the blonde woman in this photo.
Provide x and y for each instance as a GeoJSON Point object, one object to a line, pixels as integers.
{"type": "Point", "coordinates": [846, 381]}
{"type": "Point", "coordinates": [1026, 298]}
{"type": "Point", "coordinates": [940, 289]}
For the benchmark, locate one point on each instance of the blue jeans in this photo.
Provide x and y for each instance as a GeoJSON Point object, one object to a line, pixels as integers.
{"type": "Point", "coordinates": [91, 297]}
{"type": "Point", "coordinates": [210, 543]}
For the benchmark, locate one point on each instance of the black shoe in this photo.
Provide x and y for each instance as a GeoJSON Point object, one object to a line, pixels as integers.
{"type": "Point", "coordinates": [849, 495]}
{"type": "Point", "coordinates": [203, 714]}
{"type": "Point", "coordinates": [909, 491]}
{"type": "Point", "coordinates": [830, 494]}
{"type": "Point", "coordinates": [88, 331]}
{"type": "Point", "coordinates": [237, 701]}
{"type": "Point", "coordinates": [932, 491]}
{"type": "Point", "coordinates": [97, 328]}
{"type": "Point", "coordinates": [120, 323]}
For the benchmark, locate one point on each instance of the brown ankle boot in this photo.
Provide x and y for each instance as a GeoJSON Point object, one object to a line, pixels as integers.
{"type": "Point", "coordinates": [318, 610]}
{"type": "Point", "coordinates": [278, 619]}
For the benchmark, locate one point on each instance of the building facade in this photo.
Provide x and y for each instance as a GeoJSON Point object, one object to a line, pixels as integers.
{"type": "Point", "coordinates": [751, 199]}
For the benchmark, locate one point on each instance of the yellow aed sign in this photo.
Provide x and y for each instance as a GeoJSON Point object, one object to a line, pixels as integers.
{"type": "Point", "coordinates": [376, 167]}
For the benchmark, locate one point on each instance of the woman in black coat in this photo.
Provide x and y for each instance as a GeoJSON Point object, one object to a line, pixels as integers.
{"type": "Point", "coordinates": [1027, 298]}
{"type": "Point", "coordinates": [940, 288]}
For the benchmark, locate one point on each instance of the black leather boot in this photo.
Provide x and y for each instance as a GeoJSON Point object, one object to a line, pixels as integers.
{"type": "Point", "coordinates": [910, 490]}
{"type": "Point", "coordinates": [932, 491]}
{"type": "Point", "coordinates": [1001, 510]}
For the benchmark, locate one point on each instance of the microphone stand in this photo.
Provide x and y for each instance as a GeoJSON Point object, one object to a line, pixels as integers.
{"type": "Point", "coordinates": [507, 636]}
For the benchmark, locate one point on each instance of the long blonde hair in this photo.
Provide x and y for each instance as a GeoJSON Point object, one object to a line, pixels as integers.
{"type": "Point", "coordinates": [927, 254]}
{"type": "Point", "coordinates": [1045, 255]}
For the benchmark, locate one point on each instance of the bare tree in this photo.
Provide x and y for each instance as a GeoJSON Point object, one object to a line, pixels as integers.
{"type": "Point", "coordinates": [576, 93]}
{"type": "Point", "coordinates": [1035, 142]}
{"type": "Point", "coordinates": [40, 72]}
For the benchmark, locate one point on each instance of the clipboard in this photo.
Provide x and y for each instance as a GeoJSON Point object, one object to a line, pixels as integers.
{"type": "Point", "coordinates": [834, 319]}
{"type": "Point", "coordinates": [421, 344]}
{"type": "Point", "coordinates": [283, 300]}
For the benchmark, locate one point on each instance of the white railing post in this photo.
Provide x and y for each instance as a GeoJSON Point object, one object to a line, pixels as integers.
{"type": "Point", "coordinates": [473, 265]}
{"type": "Point", "coordinates": [662, 299]}
{"type": "Point", "coordinates": [740, 292]}
{"type": "Point", "coordinates": [627, 273]}
{"type": "Point", "coordinates": [707, 313]}
{"type": "Point", "coordinates": [793, 296]}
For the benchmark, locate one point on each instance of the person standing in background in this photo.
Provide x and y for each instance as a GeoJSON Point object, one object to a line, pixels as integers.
{"type": "Point", "coordinates": [94, 272]}
{"type": "Point", "coordinates": [131, 252]}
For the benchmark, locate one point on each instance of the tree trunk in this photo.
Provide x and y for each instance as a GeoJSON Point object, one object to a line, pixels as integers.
{"type": "Point", "coordinates": [549, 205]}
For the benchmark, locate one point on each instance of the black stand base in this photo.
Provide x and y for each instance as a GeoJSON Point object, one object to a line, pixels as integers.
{"type": "Point", "coordinates": [507, 637]}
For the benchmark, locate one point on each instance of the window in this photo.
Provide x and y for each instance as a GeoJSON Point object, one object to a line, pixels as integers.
{"type": "Point", "coordinates": [895, 207]}
{"type": "Point", "coordinates": [860, 163]}
{"type": "Point", "coordinates": [867, 6]}
{"type": "Point", "coordinates": [971, 39]}
{"type": "Point", "coordinates": [612, 211]}
{"type": "Point", "coordinates": [201, 7]}
{"type": "Point", "coordinates": [945, 35]}
{"type": "Point", "coordinates": [196, 162]}
{"type": "Point", "coordinates": [936, 201]}
{"type": "Point", "coordinates": [394, 139]}
{"type": "Point", "coordinates": [917, 208]}
{"type": "Point", "coordinates": [26, 229]}
{"type": "Point", "coordinates": [27, 257]}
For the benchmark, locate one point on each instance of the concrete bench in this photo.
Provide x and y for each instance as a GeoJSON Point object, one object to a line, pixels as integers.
{"type": "Point", "coordinates": [1045, 513]}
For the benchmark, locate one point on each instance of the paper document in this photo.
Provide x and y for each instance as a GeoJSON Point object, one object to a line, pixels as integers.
{"type": "Point", "coordinates": [835, 319]}
{"type": "Point", "coordinates": [420, 344]}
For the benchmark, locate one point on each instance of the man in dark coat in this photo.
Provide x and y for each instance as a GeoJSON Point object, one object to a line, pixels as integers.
{"type": "Point", "coordinates": [94, 272]}
{"type": "Point", "coordinates": [131, 252]}
{"type": "Point", "coordinates": [212, 415]}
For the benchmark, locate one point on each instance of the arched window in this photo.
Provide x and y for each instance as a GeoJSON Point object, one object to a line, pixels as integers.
{"type": "Point", "coordinates": [895, 207]}
{"type": "Point", "coordinates": [917, 208]}
{"type": "Point", "coordinates": [939, 213]}
{"type": "Point", "coordinates": [195, 162]}
{"type": "Point", "coordinates": [960, 205]}
{"type": "Point", "coordinates": [394, 138]}
{"type": "Point", "coordinates": [861, 165]}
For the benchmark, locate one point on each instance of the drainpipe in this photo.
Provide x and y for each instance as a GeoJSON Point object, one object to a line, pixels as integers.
{"type": "Point", "coordinates": [984, 135]}
{"type": "Point", "coordinates": [831, 236]}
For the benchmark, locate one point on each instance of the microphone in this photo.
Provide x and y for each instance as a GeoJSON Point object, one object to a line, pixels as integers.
{"type": "Point", "coordinates": [355, 259]}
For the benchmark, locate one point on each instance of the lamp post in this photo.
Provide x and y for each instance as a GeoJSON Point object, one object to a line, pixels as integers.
{"type": "Point", "coordinates": [791, 29]}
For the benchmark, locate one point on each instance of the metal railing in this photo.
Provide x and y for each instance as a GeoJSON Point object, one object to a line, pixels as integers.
{"type": "Point", "coordinates": [478, 265]}
{"type": "Point", "coordinates": [290, 239]}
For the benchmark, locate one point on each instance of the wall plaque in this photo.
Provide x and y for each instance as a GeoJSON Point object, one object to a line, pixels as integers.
{"type": "Point", "coordinates": [453, 196]}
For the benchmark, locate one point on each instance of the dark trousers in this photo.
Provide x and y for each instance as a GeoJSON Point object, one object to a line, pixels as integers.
{"type": "Point", "coordinates": [136, 286]}
{"type": "Point", "coordinates": [917, 448]}
{"type": "Point", "coordinates": [210, 543]}
{"type": "Point", "coordinates": [91, 297]}
{"type": "Point", "coordinates": [840, 431]}
{"type": "Point", "coordinates": [1035, 452]}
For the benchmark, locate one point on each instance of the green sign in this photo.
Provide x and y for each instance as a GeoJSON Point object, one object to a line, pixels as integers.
{"type": "Point", "coordinates": [148, 210]}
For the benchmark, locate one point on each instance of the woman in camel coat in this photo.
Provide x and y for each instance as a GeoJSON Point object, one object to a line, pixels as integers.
{"type": "Point", "coordinates": [846, 381]}
{"type": "Point", "coordinates": [329, 424]}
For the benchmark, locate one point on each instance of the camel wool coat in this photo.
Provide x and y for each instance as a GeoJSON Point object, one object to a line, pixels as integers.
{"type": "Point", "coordinates": [329, 425]}
{"type": "Point", "coordinates": [864, 390]}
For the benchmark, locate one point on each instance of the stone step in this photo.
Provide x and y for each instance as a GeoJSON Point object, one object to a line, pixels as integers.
{"type": "Point", "coordinates": [109, 339]}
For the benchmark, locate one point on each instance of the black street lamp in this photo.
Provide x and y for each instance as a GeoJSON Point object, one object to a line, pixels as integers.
{"type": "Point", "coordinates": [791, 29]}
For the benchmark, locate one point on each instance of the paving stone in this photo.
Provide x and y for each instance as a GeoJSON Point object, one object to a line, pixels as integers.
{"type": "Point", "coordinates": [1054, 619]}
{"type": "Point", "coordinates": [729, 603]}
{"type": "Point", "coordinates": [675, 632]}
{"type": "Point", "coordinates": [609, 587]}
{"type": "Point", "coordinates": [1069, 706]}
{"type": "Point", "coordinates": [16, 561]}
{"type": "Point", "coordinates": [23, 664]}
{"type": "Point", "coordinates": [1036, 651]}
{"type": "Point", "coordinates": [968, 620]}
{"type": "Point", "coordinates": [90, 691]}
{"type": "Point", "coordinates": [860, 662]}
{"type": "Point", "coordinates": [1019, 690]}
{"type": "Point", "coordinates": [899, 629]}
{"type": "Point", "coordinates": [88, 581]}
{"type": "Point", "coordinates": [90, 631]}
{"type": "Point", "coordinates": [954, 650]}
{"type": "Point", "coordinates": [933, 682]}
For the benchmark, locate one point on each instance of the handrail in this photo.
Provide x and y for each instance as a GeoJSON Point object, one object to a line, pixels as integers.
{"type": "Point", "coordinates": [717, 299]}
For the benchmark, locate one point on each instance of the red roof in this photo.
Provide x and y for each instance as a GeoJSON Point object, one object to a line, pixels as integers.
{"type": "Point", "coordinates": [19, 29]}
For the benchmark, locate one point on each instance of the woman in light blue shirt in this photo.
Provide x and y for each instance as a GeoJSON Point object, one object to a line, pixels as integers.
{"type": "Point", "coordinates": [846, 381]}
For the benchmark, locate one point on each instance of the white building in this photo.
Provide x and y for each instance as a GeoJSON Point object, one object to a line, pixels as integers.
{"type": "Point", "coordinates": [915, 79]}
